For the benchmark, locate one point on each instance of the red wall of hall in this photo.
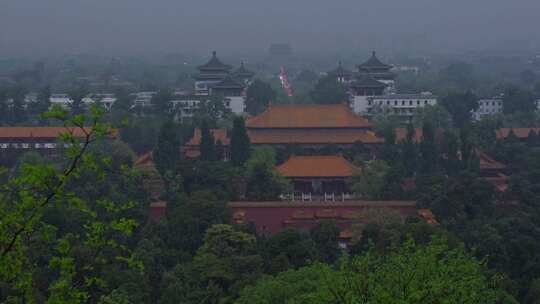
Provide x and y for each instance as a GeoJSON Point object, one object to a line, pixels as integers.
{"type": "Point", "coordinates": [273, 218]}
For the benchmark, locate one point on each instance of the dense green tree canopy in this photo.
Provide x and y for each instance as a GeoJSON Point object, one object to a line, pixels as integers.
{"type": "Point", "coordinates": [328, 91]}
{"type": "Point", "coordinates": [410, 274]}
{"type": "Point", "coordinates": [240, 146]}
{"type": "Point", "coordinates": [264, 183]}
{"type": "Point", "coordinates": [460, 106]}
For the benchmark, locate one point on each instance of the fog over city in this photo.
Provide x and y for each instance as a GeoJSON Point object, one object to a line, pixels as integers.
{"type": "Point", "coordinates": [29, 27]}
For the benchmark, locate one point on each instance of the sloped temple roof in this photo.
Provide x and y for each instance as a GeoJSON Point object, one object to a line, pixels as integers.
{"type": "Point", "coordinates": [228, 83]}
{"type": "Point", "coordinates": [317, 166]}
{"type": "Point", "coordinates": [519, 132]}
{"type": "Point", "coordinates": [367, 81]}
{"type": "Point", "coordinates": [308, 116]}
{"type": "Point", "coordinates": [214, 64]}
{"type": "Point", "coordinates": [314, 136]}
{"type": "Point", "coordinates": [374, 63]}
{"type": "Point", "coordinates": [44, 132]}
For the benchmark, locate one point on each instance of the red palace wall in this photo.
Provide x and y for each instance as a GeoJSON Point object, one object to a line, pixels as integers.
{"type": "Point", "coordinates": [271, 217]}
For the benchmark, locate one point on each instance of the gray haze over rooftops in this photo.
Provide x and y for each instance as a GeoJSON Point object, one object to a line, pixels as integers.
{"type": "Point", "coordinates": [141, 26]}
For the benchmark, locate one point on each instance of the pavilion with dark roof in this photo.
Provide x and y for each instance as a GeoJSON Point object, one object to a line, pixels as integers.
{"type": "Point", "coordinates": [373, 64]}
{"type": "Point", "coordinates": [214, 65]}
{"type": "Point", "coordinates": [227, 87]}
{"type": "Point", "coordinates": [373, 78]}
{"type": "Point", "coordinates": [212, 72]}
{"type": "Point", "coordinates": [367, 86]}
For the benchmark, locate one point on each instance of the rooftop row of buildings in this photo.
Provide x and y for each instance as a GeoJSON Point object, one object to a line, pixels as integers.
{"type": "Point", "coordinates": [322, 183]}
{"type": "Point", "coordinates": [371, 88]}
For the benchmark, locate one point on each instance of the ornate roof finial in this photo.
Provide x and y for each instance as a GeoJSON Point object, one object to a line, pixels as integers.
{"type": "Point", "coordinates": [242, 63]}
{"type": "Point", "coordinates": [214, 53]}
{"type": "Point", "coordinates": [373, 54]}
{"type": "Point", "coordinates": [339, 63]}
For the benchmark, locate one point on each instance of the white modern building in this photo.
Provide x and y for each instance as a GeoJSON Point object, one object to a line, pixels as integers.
{"type": "Point", "coordinates": [398, 104]}
{"type": "Point", "coordinates": [493, 106]}
{"type": "Point", "coordinates": [143, 99]}
{"type": "Point", "coordinates": [64, 100]}
{"type": "Point", "coordinates": [488, 107]}
{"type": "Point", "coordinates": [105, 100]}
{"type": "Point", "coordinates": [61, 99]}
{"type": "Point", "coordinates": [373, 91]}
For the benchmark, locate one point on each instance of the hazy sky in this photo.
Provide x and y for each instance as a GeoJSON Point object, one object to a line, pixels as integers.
{"type": "Point", "coordinates": [138, 26]}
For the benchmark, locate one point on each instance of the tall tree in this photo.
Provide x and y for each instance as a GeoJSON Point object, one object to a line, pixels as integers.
{"type": "Point", "coordinates": [460, 105]}
{"type": "Point", "coordinates": [240, 144]}
{"type": "Point", "coordinates": [518, 100]}
{"type": "Point", "coordinates": [325, 236]}
{"type": "Point", "coordinates": [410, 151]}
{"type": "Point", "coordinates": [124, 101]}
{"type": "Point", "coordinates": [450, 148]}
{"type": "Point", "coordinates": [167, 151]}
{"type": "Point", "coordinates": [429, 150]}
{"type": "Point", "coordinates": [4, 107]}
{"type": "Point", "coordinates": [329, 91]}
{"type": "Point", "coordinates": [43, 102]}
{"type": "Point", "coordinates": [211, 110]}
{"type": "Point", "coordinates": [370, 183]}
{"type": "Point", "coordinates": [77, 95]}
{"type": "Point", "coordinates": [225, 263]}
{"type": "Point", "coordinates": [264, 183]}
{"type": "Point", "coordinates": [208, 149]}
{"type": "Point", "coordinates": [436, 115]}
{"type": "Point", "coordinates": [18, 111]}
{"type": "Point", "coordinates": [259, 94]}
{"type": "Point", "coordinates": [162, 102]}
